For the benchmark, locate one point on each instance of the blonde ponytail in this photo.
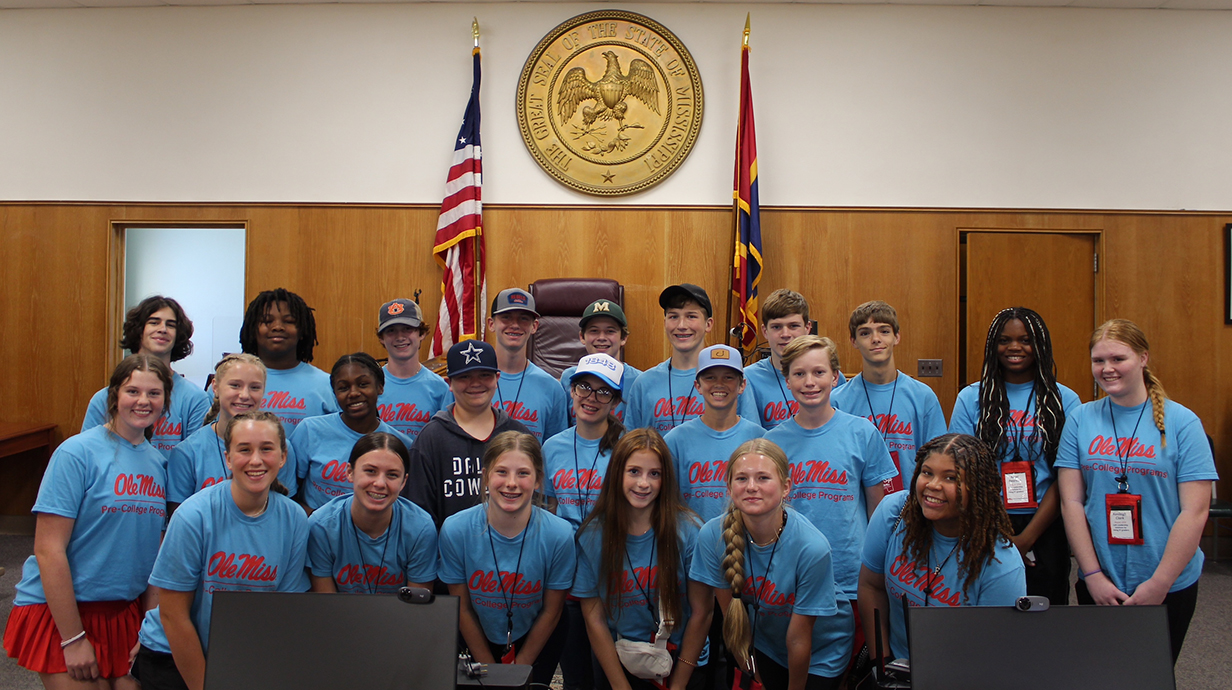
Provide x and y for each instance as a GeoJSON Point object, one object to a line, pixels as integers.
{"type": "Point", "coordinates": [737, 631]}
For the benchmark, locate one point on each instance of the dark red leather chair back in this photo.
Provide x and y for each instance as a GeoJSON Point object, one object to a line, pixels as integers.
{"type": "Point", "coordinates": [560, 303]}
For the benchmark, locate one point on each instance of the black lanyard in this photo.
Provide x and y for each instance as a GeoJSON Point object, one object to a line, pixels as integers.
{"type": "Point", "coordinates": [893, 392]}
{"type": "Point", "coordinates": [516, 395]}
{"type": "Point", "coordinates": [393, 527]}
{"type": "Point", "coordinates": [226, 472]}
{"type": "Point", "coordinates": [928, 589]}
{"type": "Point", "coordinates": [500, 581]}
{"type": "Point", "coordinates": [779, 379]}
{"type": "Point", "coordinates": [671, 399]}
{"type": "Point", "coordinates": [649, 566]}
{"type": "Point", "coordinates": [577, 474]}
{"type": "Point", "coordinates": [761, 591]}
{"type": "Point", "coordinates": [1123, 478]}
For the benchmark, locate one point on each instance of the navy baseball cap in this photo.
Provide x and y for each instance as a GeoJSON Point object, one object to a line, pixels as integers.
{"type": "Point", "coordinates": [470, 355]}
{"type": "Point", "coordinates": [688, 290]}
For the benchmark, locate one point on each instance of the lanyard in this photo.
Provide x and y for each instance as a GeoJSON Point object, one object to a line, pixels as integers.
{"type": "Point", "coordinates": [577, 474]}
{"type": "Point", "coordinates": [393, 527]}
{"type": "Point", "coordinates": [885, 432]}
{"type": "Point", "coordinates": [517, 394]}
{"type": "Point", "coordinates": [671, 399]}
{"type": "Point", "coordinates": [649, 565]}
{"type": "Point", "coordinates": [778, 378]}
{"type": "Point", "coordinates": [761, 591]}
{"type": "Point", "coordinates": [1123, 478]}
{"type": "Point", "coordinates": [500, 581]}
{"type": "Point", "coordinates": [222, 459]}
{"type": "Point", "coordinates": [928, 590]}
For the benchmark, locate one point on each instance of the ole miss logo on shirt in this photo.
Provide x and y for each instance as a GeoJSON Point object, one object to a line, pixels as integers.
{"type": "Point", "coordinates": [402, 412]}
{"type": "Point", "coordinates": [354, 577]}
{"type": "Point", "coordinates": [890, 425]}
{"type": "Point", "coordinates": [245, 566]}
{"type": "Point", "coordinates": [586, 480]}
{"type": "Point", "coordinates": [905, 573]}
{"type": "Point", "coordinates": [1107, 447]}
{"type": "Point", "coordinates": [713, 472]}
{"type": "Point", "coordinates": [165, 427]}
{"type": "Point", "coordinates": [282, 400]}
{"type": "Point", "coordinates": [519, 411]}
{"type": "Point", "coordinates": [779, 412]}
{"type": "Point", "coordinates": [685, 406]}
{"type": "Point", "coordinates": [504, 584]}
{"type": "Point", "coordinates": [137, 494]}
{"type": "Point", "coordinates": [644, 580]}
{"type": "Point", "coordinates": [765, 589]}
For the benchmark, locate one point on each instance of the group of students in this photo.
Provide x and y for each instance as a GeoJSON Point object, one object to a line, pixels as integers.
{"type": "Point", "coordinates": [595, 522]}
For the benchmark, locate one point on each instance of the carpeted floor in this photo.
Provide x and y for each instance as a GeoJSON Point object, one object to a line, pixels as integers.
{"type": "Point", "coordinates": [1205, 663]}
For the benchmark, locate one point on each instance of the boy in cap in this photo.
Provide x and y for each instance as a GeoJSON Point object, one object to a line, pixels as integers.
{"type": "Point", "coordinates": [663, 397]}
{"type": "Point", "coordinates": [905, 411]}
{"type": "Point", "coordinates": [447, 458]}
{"type": "Point", "coordinates": [413, 393]}
{"type": "Point", "coordinates": [784, 317]}
{"type": "Point", "coordinates": [603, 329]}
{"type": "Point", "coordinates": [526, 392]}
{"type": "Point", "coordinates": [700, 447]}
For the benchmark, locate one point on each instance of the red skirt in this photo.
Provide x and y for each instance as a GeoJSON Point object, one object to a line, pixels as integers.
{"type": "Point", "coordinates": [32, 639]}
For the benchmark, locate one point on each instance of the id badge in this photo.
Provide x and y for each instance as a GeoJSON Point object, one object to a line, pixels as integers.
{"type": "Point", "coordinates": [1124, 514]}
{"type": "Point", "coordinates": [745, 682]}
{"type": "Point", "coordinates": [510, 656]}
{"type": "Point", "coordinates": [894, 484]}
{"type": "Point", "coordinates": [1017, 485]}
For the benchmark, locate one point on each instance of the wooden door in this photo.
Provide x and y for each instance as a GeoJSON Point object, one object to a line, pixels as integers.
{"type": "Point", "coordinates": [1052, 273]}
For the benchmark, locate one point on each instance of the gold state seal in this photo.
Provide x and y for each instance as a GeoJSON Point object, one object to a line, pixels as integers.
{"type": "Point", "coordinates": [610, 103]}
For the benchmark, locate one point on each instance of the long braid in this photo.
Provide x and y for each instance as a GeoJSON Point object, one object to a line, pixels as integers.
{"type": "Point", "coordinates": [737, 631]}
{"type": "Point", "coordinates": [994, 403]}
{"type": "Point", "coordinates": [983, 522]}
{"type": "Point", "coordinates": [1129, 334]}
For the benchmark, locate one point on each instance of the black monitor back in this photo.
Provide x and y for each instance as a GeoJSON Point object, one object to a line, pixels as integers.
{"type": "Point", "coordinates": [1064, 647]}
{"type": "Point", "coordinates": [263, 640]}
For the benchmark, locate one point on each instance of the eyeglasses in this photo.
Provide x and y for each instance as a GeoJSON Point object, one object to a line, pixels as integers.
{"type": "Point", "coordinates": [603, 395]}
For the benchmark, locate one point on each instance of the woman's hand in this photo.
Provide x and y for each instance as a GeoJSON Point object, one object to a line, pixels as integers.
{"type": "Point", "coordinates": [1149, 593]}
{"type": "Point", "coordinates": [1024, 544]}
{"type": "Point", "coordinates": [79, 658]}
{"type": "Point", "coordinates": [1104, 592]}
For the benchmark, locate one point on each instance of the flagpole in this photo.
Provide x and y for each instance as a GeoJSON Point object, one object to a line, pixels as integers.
{"type": "Point", "coordinates": [476, 273]}
{"type": "Point", "coordinates": [735, 232]}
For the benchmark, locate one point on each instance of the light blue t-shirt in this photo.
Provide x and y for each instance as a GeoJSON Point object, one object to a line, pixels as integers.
{"type": "Point", "coordinates": [638, 589]}
{"type": "Point", "coordinates": [189, 406]}
{"type": "Point", "coordinates": [200, 461]}
{"type": "Point", "coordinates": [360, 564]}
{"type": "Point", "coordinates": [535, 399]}
{"type": "Point", "coordinates": [116, 494]}
{"type": "Point", "coordinates": [1000, 583]}
{"type": "Point", "coordinates": [830, 467]}
{"type": "Point", "coordinates": [1021, 425]}
{"type": "Point", "coordinates": [913, 419]}
{"type": "Point", "coordinates": [663, 403]}
{"type": "Point", "coordinates": [547, 556]}
{"type": "Point", "coordinates": [700, 456]}
{"type": "Point", "coordinates": [407, 404]}
{"type": "Point", "coordinates": [793, 575]}
{"type": "Point", "coordinates": [297, 394]}
{"type": "Point", "coordinates": [626, 382]}
{"type": "Point", "coordinates": [213, 547]}
{"type": "Point", "coordinates": [1089, 444]}
{"type": "Point", "coordinates": [322, 450]}
{"type": "Point", "coordinates": [574, 470]}
{"type": "Point", "coordinates": [775, 403]}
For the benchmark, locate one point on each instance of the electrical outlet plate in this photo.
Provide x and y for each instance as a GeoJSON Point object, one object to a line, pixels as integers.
{"type": "Point", "coordinates": [928, 368]}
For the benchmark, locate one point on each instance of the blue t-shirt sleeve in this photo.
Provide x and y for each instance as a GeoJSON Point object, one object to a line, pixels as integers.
{"type": "Point", "coordinates": [877, 538]}
{"type": "Point", "coordinates": [586, 582]}
{"type": "Point", "coordinates": [1194, 461]}
{"type": "Point", "coordinates": [451, 568]}
{"type": "Point", "coordinates": [64, 485]}
{"type": "Point", "coordinates": [295, 577]}
{"type": "Point", "coordinates": [708, 556]}
{"type": "Point", "coordinates": [421, 567]}
{"type": "Point", "coordinates": [1067, 450]}
{"type": "Point", "coordinates": [286, 476]}
{"type": "Point", "coordinates": [180, 562]}
{"type": "Point", "coordinates": [96, 411]}
{"type": "Point", "coordinates": [301, 441]}
{"type": "Point", "coordinates": [320, 547]}
{"type": "Point", "coordinates": [878, 465]}
{"type": "Point", "coordinates": [180, 478]}
{"type": "Point", "coordinates": [564, 557]}
{"type": "Point", "coordinates": [815, 594]}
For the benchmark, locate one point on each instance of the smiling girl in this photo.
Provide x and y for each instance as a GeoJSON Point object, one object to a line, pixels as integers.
{"type": "Point", "coordinates": [639, 537]}
{"type": "Point", "coordinates": [795, 633]}
{"type": "Point", "coordinates": [1141, 462]}
{"type": "Point", "coordinates": [1018, 409]}
{"type": "Point", "coordinates": [100, 512]}
{"type": "Point", "coordinates": [944, 542]}
{"type": "Point", "coordinates": [509, 562]}
{"type": "Point", "coordinates": [322, 444]}
{"type": "Point", "coordinates": [350, 538]}
{"type": "Point", "coordinates": [239, 521]}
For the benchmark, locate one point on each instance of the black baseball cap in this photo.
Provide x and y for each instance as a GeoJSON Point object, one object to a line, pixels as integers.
{"type": "Point", "coordinates": [688, 290]}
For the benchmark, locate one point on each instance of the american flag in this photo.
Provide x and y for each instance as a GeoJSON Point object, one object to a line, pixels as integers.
{"type": "Point", "coordinates": [459, 236]}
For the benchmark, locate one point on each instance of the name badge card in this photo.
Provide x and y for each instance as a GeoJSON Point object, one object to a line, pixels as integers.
{"type": "Point", "coordinates": [1017, 485]}
{"type": "Point", "coordinates": [1124, 513]}
{"type": "Point", "coordinates": [894, 484]}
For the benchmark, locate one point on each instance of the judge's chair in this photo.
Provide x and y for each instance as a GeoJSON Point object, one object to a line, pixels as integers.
{"type": "Point", "coordinates": [560, 303]}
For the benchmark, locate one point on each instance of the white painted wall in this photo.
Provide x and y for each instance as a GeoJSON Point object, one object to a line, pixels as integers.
{"type": "Point", "coordinates": [856, 105]}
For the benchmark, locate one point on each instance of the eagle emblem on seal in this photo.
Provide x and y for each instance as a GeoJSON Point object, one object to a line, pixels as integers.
{"type": "Point", "coordinates": [609, 93]}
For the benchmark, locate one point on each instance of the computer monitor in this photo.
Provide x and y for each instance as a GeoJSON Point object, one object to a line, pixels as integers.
{"type": "Point", "coordinates": [1061, 648]}
{"type": "Point", "coordinates": [263, 640]}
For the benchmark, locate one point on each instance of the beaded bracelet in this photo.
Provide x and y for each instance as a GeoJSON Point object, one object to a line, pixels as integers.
{"type": "Point", "coordinates": [686, 661]}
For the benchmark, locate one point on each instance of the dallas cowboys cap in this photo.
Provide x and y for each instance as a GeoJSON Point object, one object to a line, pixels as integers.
{"type": "Point", "coordinates": [689, 290]}
{"type": "Point", "coordinates": [719, 356]}
{"type": "Point", "coordinates": [470, 355]}
{"type": "Point", "coordinates": [603, 366]}
{"type": "Point", "coordinates": [603, 307]}
{"type": "Point", "coordinates": [399, 311]}
{"type": "Point", "coordinates": [513, 299]}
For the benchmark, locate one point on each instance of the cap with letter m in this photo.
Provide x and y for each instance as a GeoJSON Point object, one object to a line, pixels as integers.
{"type": "Point", "coordinates": [603, 307]}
